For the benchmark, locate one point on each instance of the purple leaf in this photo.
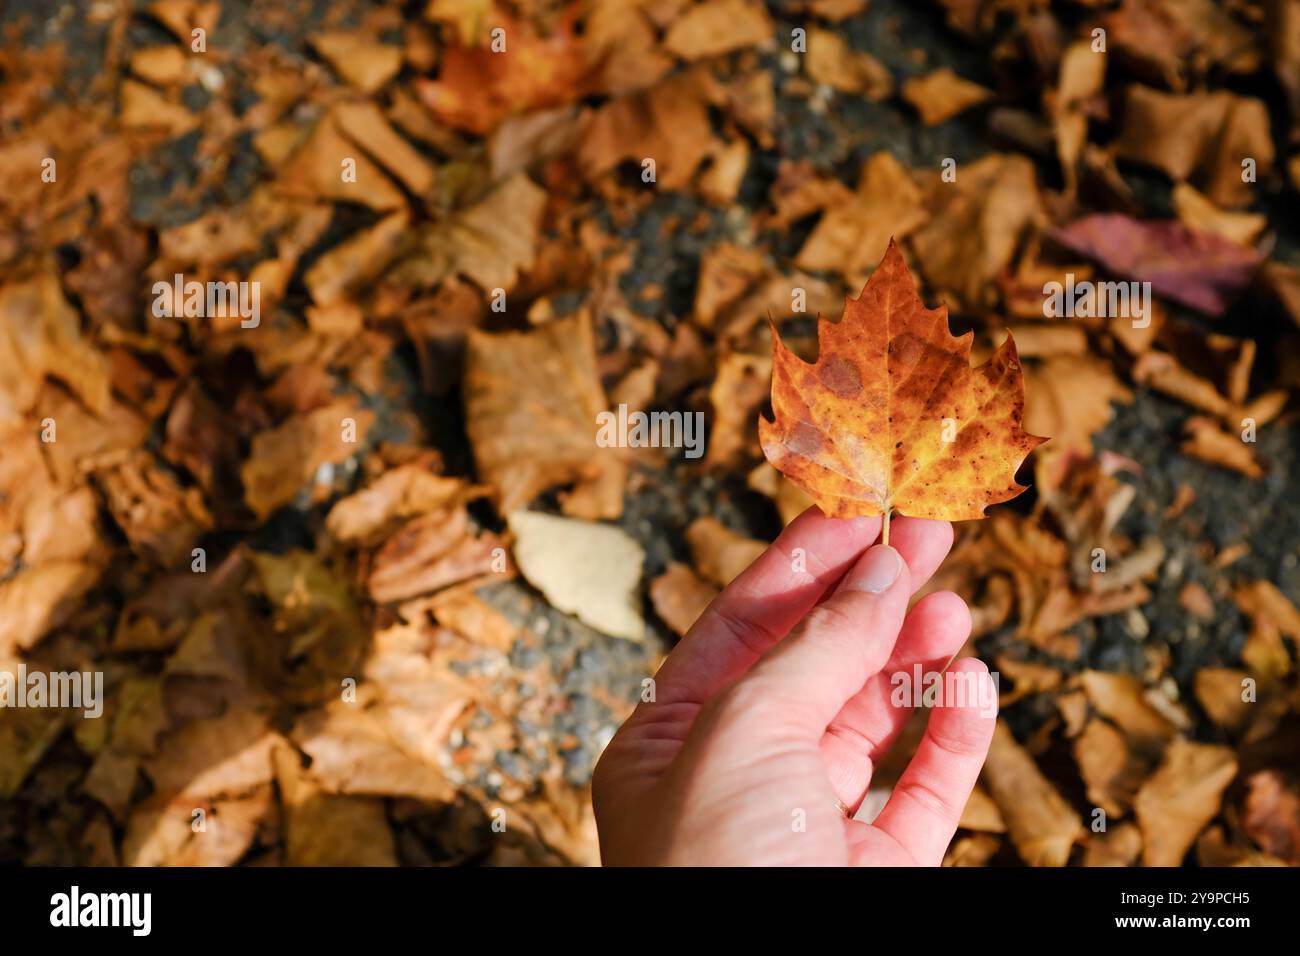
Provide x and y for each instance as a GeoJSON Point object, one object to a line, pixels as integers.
{"type": "Point", "coordinates": [1196, 269]}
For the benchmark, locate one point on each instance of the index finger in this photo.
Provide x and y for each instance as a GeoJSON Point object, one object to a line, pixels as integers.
{"type": "Point", "coordinates": [760, 606]}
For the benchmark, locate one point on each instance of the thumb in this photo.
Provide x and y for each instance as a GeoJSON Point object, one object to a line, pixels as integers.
{"type": "Point", "coordinates": [842, 642]}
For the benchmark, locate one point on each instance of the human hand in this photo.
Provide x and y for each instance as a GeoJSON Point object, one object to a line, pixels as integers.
{"type": "Point", "coordinates": [777, 703]}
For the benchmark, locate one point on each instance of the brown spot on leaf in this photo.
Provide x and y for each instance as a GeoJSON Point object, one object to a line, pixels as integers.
{"type": "Point", "coordinates": [841, 376]}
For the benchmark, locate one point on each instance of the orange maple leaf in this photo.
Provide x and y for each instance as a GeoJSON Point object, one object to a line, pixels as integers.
{"type": "Point", "coordinates": [891, 417]}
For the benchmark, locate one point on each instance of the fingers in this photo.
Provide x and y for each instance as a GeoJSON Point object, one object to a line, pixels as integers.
{"type": "Point", "coordinates": [867, 725]}
{"type": "Point", "coordinates": [831, 653]}
{"type": "Point", "coordinates": [758, 608]}
{"type": "Point", "coordinates": [926, 805]}
{"type": "Point", "coordinates": [922, 543]}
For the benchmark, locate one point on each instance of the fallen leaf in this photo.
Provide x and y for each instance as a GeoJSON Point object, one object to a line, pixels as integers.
{"type": "Point", "coordinates": [40, 335]}
{"type": "Point", "coordinates": [1041, 824]}
{"type": "Point", "coordinates": [1272, 817]}
{"type": "Point", "coordinates": [719, 553]}
{"type": "Point", "coordinates": [1201, 137]}
{"type": "Point", "coordinates": [366, 64]}
{"type": "Point", "coordinates": [1120, 845]}
{"type": "Point", "coordinates": [1222, 695]}
{"type": "Point", "coordinates": [1121, 699]}
{"type": "Point", "coordinates": [489, 242]}
{"type": "Point", "coordinates": [832, 61]}
{"type": "Point", "coordinates": [368, 515]}
{"type": "Point", "coordinates": [469, 615]}
{"type": "Point", "coordinates": [313, 171]}
{"type": "Point", "coordinates": [942, 94]}
{"type": "Point", "coordinates": [478, 86]}
{"type": "Point", "coordinates": [668, 123]}
{"type": "Point", "coordinates": [1201, 215]}
{"type": "Point", "coordinates": [713, 27]}
{"type": "Point", "coordinates": [1210, 443]}
{"type": "Point", "coordinates": [982, 814]}
{"type": "Point", "coordinates": [25, 736]}
{"type": "Point", "coordinates": [680, 597]}
{"type": "Point", "coordinates": [1180, 798]}
{"type": "Point", "coordinates": [531, 401]}
{"type": "Point", "coordinates": [1200, 270]}
{"type": "Point", "coordinates": [1110, 771]}
{"type": "Point", "coordinates": [589, 570]}
{"type": "Point", "coordinates": [975, 226]}
{"type": "Point", "coordinates": [1070, 398]}
{"type": "Point", "coordinates": [40, 598]}
{"type": "Point", "coordinates": [431, 552]}
{"type": "Point", "coordinates": [738, 392]}
{"type": "Point", "coordinates": [326, 829]}
{"type": "Point", "coordinates": [285, 458]}
{"type": "Point", "coordinates": [364, 123]}
{"type": "Point", "coordinates": [974, 850]}
{"type": "Point", "coordinates": [355, 750]}
{"type": "Point", "coordinates": [854, 234]}
{"type": "Point", "coordinates": [162, 831]}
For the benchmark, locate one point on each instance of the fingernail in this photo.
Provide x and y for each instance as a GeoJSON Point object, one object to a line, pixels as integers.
{"type": "Point", "coordinates": [877, 570]}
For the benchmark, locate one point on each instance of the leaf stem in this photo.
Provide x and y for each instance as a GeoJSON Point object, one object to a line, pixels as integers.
{"type": "Point", "coordinates": [884, 529]}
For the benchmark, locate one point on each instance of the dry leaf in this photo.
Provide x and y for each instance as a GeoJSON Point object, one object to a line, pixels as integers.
{"type": "Point", "coordinates": [1180, 798]}
{"type": "Point", "coordinates": [713, 27]}
{"type": "Point", "coordinates": [325, 829]}
{"type": "Point", "coordinates": [358, 751]}
{"type": "Point", "coordinates": [668, 123]}
{"type": "Point", "coordinates": [680, 597]}
{"type": "Point", "coordinates": [892, 417]}
{"type": "Point", "coordinates": [283, 459]}
{"type": "Point", "coordinates": [1120, 845]}
{"type": "Point", "coordinates": [976, 226]}
{"type": "Point", "coordinates": [942, 94]}
{"type": "Point", "coordinates": [1200, 270]}
{"type": "Point", "coordinates": [718, 553]}
{"type": "Point", "coordinates": [1272, 817]}
{"type": "Point", "coordinates": [585, 569]}
{"type": "Point", "coordinates": [1041, 824]}
{"type": "Point", "coordinates": [531, 401]}
{"type": "Point", "coordinates": [366, 516]}
{"type": "Point", "coordinates": [832, 61]}
{"type": "Point", "coordinates": [853, 235]}
{"type": "Point", "coordinates": [1201, 215]}
{"type": "Point", "coordinates": [365, 63]}
{"type": "Point", "coordinates": [1121, 699]}
{"type": "Point", "coordinates": [40, 334]}
{"type": "Point", "coordinates": [1201, 137]}
{"type": "Point", "coordinates": [478, 87]}
{"type": "Point", "coordinates": [1210, 443]}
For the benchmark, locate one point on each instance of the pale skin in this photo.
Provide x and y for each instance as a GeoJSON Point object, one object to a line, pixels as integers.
{"type": "Point", "coordinates": [777, 704]}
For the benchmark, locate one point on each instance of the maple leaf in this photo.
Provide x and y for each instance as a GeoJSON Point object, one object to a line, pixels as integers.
{"type": "Point", "coordinates": [891, 417]}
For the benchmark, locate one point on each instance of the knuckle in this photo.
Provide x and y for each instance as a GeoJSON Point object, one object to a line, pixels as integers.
{"type": "Point", "coordinates": [932, 801]}
{"type": "Point", "coordinates": [747, 700]}
{"type": "Point", "coordinates": [832, 621]}
{"type": "Point", "coordinates": [960, 740]}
